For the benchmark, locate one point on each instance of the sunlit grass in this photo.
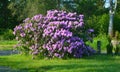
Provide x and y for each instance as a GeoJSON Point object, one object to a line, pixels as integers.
{"type": "Point", "coordinates": [8, 47]}
{"type": "Point", "coordinates": [7, 44]}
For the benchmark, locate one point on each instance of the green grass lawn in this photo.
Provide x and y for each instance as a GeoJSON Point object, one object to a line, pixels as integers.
{"type": "Point", "coordinates": [96, 63]}
{"type": "Point", "coordinates": [22, 63]}
{"type": "Point", "coordinates": [7, 44]}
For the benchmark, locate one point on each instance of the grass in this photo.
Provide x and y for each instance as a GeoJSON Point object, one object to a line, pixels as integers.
{"type": "Point", "coordinates": [3, 47]}
{"type": "Point", "coordinates": [97, 63]}
{"type": "Point", "coordinates": [7, 44]}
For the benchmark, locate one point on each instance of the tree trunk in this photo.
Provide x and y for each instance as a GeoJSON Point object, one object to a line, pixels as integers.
{"type": "Point", "coordinates": [110, 29]}
{"type": "Point", "coordinates": [111, 12]}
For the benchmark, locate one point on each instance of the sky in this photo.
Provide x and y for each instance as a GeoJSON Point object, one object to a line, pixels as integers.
{"type": "Point", "coordinates": [107, 4]}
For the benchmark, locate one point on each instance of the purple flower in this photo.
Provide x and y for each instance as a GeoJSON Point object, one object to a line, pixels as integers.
{"type": "Point", "coordinates": [37, 17]}
{"type": "Point", "coordinates": [35, 52]}
{"type": "Point", "coordinates": [90, 30]}
{"type": "Point", "coordinates": [28, 25]}
{"type": "Point", "coordinates": [26, 20]}
{"type": "Point", "coordinates": [22, 34]}
{"type": "Point", "coordinates": [57, 55]}
{"type": "Point", "coordinates": [81, 16]}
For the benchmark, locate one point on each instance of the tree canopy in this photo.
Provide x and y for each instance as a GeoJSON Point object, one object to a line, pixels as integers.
{"type": "Point", "coordinates": [12, 12]}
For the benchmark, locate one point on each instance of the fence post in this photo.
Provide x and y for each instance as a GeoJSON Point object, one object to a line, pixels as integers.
{"type": "Point", "coordinates": [99, 47]}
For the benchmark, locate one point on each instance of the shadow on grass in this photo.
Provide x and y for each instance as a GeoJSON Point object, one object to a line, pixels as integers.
{"type": "Point", "coordinates": [102, 57]}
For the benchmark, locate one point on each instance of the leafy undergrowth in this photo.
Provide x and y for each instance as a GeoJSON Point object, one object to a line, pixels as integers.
{"type": "Point", "coordinates": [96, 63]}
{"type": "Point", "coordinates": [104, 42]}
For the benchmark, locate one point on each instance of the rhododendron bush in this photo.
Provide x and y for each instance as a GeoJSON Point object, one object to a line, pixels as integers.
{"type": "Point", "coordinates": [57, 34]}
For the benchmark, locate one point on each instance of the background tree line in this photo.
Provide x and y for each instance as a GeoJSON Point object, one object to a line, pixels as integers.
{"type": "Point", "coordinates": [12, 12]}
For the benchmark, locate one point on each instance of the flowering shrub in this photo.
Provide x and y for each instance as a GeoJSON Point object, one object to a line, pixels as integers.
{"type": "Point", "coordinates": [54, 35]}
{"type": "Point", "coordinates": [29, 34]}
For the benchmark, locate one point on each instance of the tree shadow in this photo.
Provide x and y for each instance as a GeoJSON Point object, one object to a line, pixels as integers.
{"type": "Point", "coordinates": [101, 57]}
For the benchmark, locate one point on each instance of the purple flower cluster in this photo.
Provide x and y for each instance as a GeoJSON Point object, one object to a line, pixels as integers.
{"type": "Point", "coordinates": [29, 34]}
{"type": "Point", "coordinates": [53, 35]}
{"type": "Point", "coordinates": [69, 20]}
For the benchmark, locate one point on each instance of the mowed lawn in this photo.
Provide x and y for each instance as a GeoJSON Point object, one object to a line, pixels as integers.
{"type": "Point", "coordinates": [7, 44]}
{"type": "Point", "coordinates": [95, 63]}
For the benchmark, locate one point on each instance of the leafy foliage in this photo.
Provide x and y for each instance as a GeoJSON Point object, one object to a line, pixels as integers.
{"type": "Point", "coordinates": [6, 34]}
{"type": "Point", "coordinates": [28, 8]}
